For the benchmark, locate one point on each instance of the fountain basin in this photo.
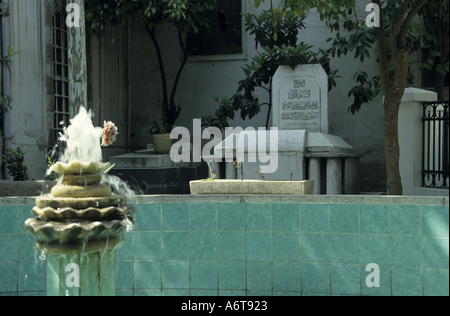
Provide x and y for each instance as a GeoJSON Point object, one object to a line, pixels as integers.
{"type": "Point", "coordinates": [81, 203]}
{"type": "Point", "coordinates": [74, 232]}
{"type": "Point", "coordinates": [91, 213]}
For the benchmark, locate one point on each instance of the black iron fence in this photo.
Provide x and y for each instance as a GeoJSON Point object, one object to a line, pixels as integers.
{"type": "Point", "coordinates": [435, 160]}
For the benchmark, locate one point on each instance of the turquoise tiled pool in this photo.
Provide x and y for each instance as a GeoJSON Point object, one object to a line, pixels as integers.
{"type": "Point", "coordinates": [258, 245]}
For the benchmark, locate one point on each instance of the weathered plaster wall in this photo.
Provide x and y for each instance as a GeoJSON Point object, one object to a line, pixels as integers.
{"type": "Point", "coordinates": [28, 90]}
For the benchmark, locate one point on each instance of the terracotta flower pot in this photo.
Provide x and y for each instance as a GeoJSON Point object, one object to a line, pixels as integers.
{"type": "Point", "coordinates": [161, 143]}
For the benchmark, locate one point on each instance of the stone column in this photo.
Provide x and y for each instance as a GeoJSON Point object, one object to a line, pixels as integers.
{"type": "Point", "coordinates": [85, 274]}
{"type": "Point", "coordinates": [314, 174]}
{"type": "Point", "coordinates": [351, 176]}
{"type": "Point", "coordinates": [334, 176]}
{"type": "Point", "coordinates": [76, 40]}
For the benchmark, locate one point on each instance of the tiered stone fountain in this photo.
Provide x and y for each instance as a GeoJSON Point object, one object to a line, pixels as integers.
{"type": "Point", "coordinates": [80, 225]}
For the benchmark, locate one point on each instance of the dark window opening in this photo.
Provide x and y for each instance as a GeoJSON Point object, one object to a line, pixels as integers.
{"type": "Point", "coordinates": [225, 34]}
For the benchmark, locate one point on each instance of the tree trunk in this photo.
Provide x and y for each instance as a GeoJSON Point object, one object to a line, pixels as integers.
{"type": "Point", "coordinates": [391, 145]}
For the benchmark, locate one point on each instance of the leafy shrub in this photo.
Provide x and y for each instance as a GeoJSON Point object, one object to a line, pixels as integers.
{"type": "Point", "coordinates": [15, 160]}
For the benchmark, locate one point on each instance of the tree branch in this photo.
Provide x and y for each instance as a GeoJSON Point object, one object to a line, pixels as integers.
{"type": "Point", "coordinates": [160, 62]}
{"type": "Point", "coordinates": [407, 23]}
{"type": "Point", "coordinates": [183, 63]}
{"type": "Point", "coordinates": [396, 27]}
{"type": "Point", "coordinates": [384, 68]}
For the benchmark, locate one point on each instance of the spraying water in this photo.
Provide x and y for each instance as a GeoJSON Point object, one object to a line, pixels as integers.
{"type": "Point", "coordinates": [82, 139]}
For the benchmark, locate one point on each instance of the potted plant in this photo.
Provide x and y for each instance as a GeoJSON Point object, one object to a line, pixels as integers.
{"type": "Point", "coordinates": [160, 135]}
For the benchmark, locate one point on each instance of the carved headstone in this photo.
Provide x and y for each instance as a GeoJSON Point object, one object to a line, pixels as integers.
{"type": "Point", "coordinates": [300, 98]}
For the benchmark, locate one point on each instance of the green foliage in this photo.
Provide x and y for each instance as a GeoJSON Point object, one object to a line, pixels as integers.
{"type": "Point", "coordinates": [240, 166]}
{"type": "Point", "coordinates": [184, 15]}
{"type": "Point", "coordinates": [15, 160]}
{"type": "Point", "coordinates": [53, 175]}
{"type": "Point", "coordinates": [5, 101]}
{"type": "Point", "coordinates": [340, 16]}
{"type": "Point", "coordinates": [276, 32]}
{"type": "Point", "coordinates": [212, 172]}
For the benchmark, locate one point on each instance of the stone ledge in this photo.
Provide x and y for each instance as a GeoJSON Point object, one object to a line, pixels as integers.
{"type": "Point", "coordinates": [25, 188]}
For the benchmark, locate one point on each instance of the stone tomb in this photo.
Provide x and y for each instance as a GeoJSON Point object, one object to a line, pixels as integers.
{"type": "Point", "coordinates": [300, 98]}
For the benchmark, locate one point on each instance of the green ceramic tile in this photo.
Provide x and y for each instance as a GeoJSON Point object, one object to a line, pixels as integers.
{"type": "Point", "coordinates": [175, 292]}
{"type": "Point", "coordinates": [435, 221]}
{"type": "Point", "coordinates": [147, 274]}
{"type": "Point", "coordinates": [142, 292]}
{"type": "Point", "coordinates": [435, 282]}
{"type": "Point", "coordinates": [124, 292]}
{"type": "Point", "coordinates": [344, 248]}
{"type": "Point", "coordinates": [24, 212]}
{"type": "Point", "coordinates": [175, 274]}
{"type": "Point", "coordinates": [259, 246]}
{"type": "Point", "coordinates": [231, 245]}
{"type": "Point", "coordinates": [124, 274]}
{"type": "Point", "coordinates": [259, 276]}
{"type": "Point", "coordinates": [287, 293]}
{"type": "Point", "coordinates": [406, 251]}
{"type": "Point", "coordinates": [345, 279]}
{"type": "Point", "coordinates": [8, 217]}
{"type": "Point", "coordinates": [147, 217]}
{"type": "Point", "coordinates": [315, 294]}
{"type": "Point", "coordinates": [406, 282]}
{"type": "Point", "coordinates": [286, 246]}
{"type": "Point", "coordinates": [175, 245]}
{"type": "Point", "coordinates": [8, 277]}
{"type": "Point", "coordinates": [374, 218]}
{"type": "Point", "coordinates": [344, 218]}
{"type": "Point", "coordinates": [259, 217]}
{"type": "Point", "coordinates": [9, 248]}
{"type": "Point", "coordinates": [368, 282]}
{"type": "Point", "coordinates": [315, 248]}
{"type": "Point", "coordinates": [204, 275]}
{"type": "Point", "coordinates": [175, 217]}
{"type": "Point", "coordinates": [285, 217]}
{"type": "Point", "coordinates": [28, 251]}
{"type": "Point", "coordinates": [231, 216]}
{"type": "Point", "coordinates": [34, 293]}
{"type": "Point", "coordinates": [287, 276]}
{"type": "Point", "coordinates": [232, 293]}
{"type": "Point", "coordinates": [204, 292]}
{"type": "Point", "coordinates": [375, 249]}
{"type": "Point", "coordinates": [314, 218]}
{"type": "Point", "coordinates": [126, 251]}
{"type": "Point", "coordinates": [435, 252]}
{"type": "Point", "coordinates": [147, 245]}
{"type": "Point", "coordinates": [259, 294]}
{"type": "Point", "coordinates": [203, 245]}
{"type": "Point", "coordinates": [315, 278]}
{"type": "Point", "coordinates": [405, 220]}
{"type": "Point", "coordinates": [203, 216]}
{"type": "Point", "coordinates": [32, 276]}
{"type": "Point", "coordinates": [232, 275]}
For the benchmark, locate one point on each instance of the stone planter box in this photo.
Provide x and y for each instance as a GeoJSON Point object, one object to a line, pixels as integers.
{"type": "Point", "coordinates": [226, 186]}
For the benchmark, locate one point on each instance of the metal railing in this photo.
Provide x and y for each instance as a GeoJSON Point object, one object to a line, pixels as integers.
{"type": "Point", "coordinates": [435, 159]}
